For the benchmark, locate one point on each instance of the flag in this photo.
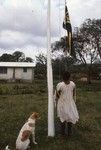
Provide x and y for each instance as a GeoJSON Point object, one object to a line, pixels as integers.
{"type": "Point", "coordinates": [67, 26]}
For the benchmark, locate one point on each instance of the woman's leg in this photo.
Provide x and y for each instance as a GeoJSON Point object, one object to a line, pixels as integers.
{"type": "Point", "coordinates": [69, 124]}
{"type": "Point", "coordinates": [63, 124]}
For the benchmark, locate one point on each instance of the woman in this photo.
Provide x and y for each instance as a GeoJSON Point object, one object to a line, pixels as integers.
{"type": "Point", "coordinates": [65, 97]}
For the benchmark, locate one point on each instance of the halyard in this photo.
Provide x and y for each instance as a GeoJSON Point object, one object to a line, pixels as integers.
{"type": "Point", "coordinates": [18, 101]}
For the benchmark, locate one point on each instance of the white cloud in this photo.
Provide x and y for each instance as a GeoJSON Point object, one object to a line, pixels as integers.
{"type": "Point", "coordinates": [80, 10]}
{"type": "Point", "coordinates": [23, 23]}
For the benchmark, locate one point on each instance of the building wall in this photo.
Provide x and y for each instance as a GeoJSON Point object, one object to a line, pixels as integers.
{"type": "Point", "coordinates": [9, 74]}
{"type": "Point", "coordinates": [19, 74]}
{"type": "Point", "coordinates": [28, 75]}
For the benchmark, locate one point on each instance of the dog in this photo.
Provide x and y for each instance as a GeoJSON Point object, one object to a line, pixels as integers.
{"type": "Point", "coordinates": [7, 148]}
{"type": "Point", "coordinates": [23, 141]}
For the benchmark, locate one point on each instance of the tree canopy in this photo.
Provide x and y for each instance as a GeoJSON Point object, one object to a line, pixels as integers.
{"type": "Point", "coordinates": [17, 56]}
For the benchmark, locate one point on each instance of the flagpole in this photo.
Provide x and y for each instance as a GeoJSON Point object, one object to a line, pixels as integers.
{"type": "Point", "coordinates": [51, 130]}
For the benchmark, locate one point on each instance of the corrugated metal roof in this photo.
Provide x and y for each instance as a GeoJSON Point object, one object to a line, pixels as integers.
{"type": "Point", "coordinates": [16, 64]}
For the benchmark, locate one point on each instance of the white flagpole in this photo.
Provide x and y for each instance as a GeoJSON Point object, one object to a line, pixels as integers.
{"type": "Point", "coordinates": [50, 76]}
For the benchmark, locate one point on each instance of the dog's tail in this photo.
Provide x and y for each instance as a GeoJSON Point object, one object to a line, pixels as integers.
{"type": "Point", "coordinates": [7, 147]}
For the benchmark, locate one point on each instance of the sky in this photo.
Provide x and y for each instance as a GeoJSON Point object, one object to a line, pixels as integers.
{"type": "Point", "coordinates": [23, 23]}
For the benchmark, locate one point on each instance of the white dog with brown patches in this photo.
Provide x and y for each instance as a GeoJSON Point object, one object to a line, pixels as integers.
{"type": "Point", "coordinates": [23, 141]}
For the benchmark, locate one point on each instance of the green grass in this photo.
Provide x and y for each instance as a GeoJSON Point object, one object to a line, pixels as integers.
{"type": "Point", "coordinates": [18, 101]}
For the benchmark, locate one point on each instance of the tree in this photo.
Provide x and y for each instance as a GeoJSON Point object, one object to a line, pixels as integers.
{"type": "Point", "coordinates": [62, 45]}
{"type": "Point", "coordinates": [41, 59]}
{"type": "Point", "coordinates": [18, 56]}
{"type": "Point", "coordinates": [6, 58]}
{"type": "Point", "coordinates": [60, 64]}
{"type": "Point", "coordinates": [40, 68]}
{"type": "Point", "coordinates": [85, 45]}
{"type": "Point", "coordinates": [28, 59]}
{"type": "Point", "coordinates": [93, 28]}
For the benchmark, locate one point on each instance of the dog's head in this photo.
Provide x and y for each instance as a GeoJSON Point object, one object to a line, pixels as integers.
{"type": "Point", "coordinates": [34, 115]}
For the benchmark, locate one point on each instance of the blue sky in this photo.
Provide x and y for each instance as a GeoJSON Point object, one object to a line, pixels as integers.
{"type": "Point", "coordinates": [23, 23]}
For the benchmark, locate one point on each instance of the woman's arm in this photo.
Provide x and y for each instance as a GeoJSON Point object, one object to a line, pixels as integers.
{"type": "Point", "coordinates": [74, 94]}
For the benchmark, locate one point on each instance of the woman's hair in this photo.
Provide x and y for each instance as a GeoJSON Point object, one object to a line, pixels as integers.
{"type": "Point", "coordinates": [66, 76]}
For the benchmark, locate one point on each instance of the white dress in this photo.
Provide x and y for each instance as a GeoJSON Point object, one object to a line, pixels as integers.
{"type": "Point", "coordinates": [66, 107]}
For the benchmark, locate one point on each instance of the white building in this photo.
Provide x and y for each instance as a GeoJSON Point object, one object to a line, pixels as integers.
{"type": "Point", "coordinates": [16, 71]}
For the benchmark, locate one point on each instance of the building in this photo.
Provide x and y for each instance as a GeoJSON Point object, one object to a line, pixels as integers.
{"type": "Point", "coordinates": [16, 71]}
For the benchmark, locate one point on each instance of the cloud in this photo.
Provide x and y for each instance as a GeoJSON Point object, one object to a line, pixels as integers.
{"type": "Point", "coordinates": [23, 23]}
{"type": "Point", "coordinates": [80, 10]}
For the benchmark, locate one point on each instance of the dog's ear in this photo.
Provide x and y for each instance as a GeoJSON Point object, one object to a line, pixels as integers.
{"type": "Point", "coordinates": [34, 115]}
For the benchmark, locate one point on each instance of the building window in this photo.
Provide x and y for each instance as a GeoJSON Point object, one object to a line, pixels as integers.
{"type": "Point", "coordinates": [24, 69]}
{"type": "Point", "coordinates": [3, 70]}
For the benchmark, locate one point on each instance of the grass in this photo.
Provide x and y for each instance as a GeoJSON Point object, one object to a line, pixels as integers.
{"type": "Point", "coordinates": [17, 101]}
